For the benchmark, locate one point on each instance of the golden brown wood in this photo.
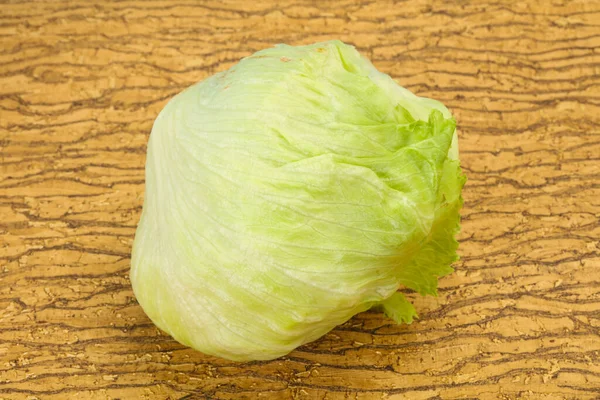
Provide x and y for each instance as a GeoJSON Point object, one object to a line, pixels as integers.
{"type": "Point", "coordinates": [80, 85]}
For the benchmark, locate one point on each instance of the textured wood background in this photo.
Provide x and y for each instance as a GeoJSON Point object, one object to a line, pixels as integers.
{"type": "Point", "coordinates": [80, 85]}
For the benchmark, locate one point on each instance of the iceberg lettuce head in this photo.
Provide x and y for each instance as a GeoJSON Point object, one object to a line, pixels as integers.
{"type": "Point", "coordinates": [289, 193]}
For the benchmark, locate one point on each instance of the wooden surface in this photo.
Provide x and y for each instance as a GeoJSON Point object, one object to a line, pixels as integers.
{"type": "Point", "coordinates": [80, 85]}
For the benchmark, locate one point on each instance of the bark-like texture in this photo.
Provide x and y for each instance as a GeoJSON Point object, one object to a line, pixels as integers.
{"type": "Point", "coordinates": [80, 85]}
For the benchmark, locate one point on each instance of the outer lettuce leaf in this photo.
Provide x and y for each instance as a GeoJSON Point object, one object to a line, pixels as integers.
{"type": "Point", "coordinates": [439, 251]}
{"type": "Point", "coordinates": [398, 308]}
{"type": "Point", "coordinates": [435, 257]}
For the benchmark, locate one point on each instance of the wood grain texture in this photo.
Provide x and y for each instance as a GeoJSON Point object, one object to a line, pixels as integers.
{"type": "Point", "coordinates": [80, 86]}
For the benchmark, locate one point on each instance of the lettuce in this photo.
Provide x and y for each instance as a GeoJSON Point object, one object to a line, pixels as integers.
{"type": "Point", "coordinates": [289, 193]}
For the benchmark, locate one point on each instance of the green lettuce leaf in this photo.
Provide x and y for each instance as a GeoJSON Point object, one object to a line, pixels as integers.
{"type": "Point", "coordinates": [398, 308]}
